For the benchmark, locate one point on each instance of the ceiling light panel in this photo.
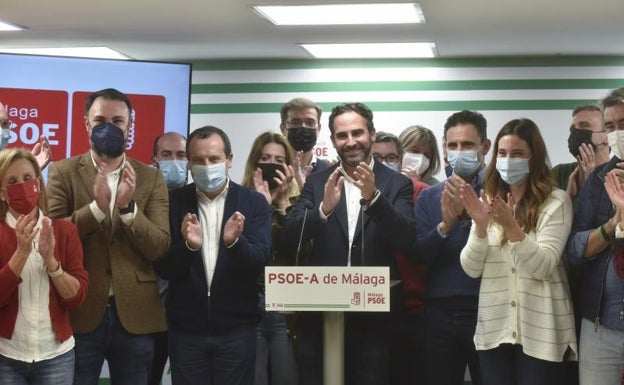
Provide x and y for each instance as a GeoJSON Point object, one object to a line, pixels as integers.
{"type": "Point", "coordinates": [88, 52]}
{"type": "Point", "coordinates": [4, 26]}
{"type": "Point", "coordinates": [342, 14]}
{"type": "Point", "coordinates": [371, 50]}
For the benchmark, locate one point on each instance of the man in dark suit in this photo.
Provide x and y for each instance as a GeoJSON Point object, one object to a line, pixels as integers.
{"type": "Point", "coordinates": [220, 244]}
{"type": "Point", "coordinates": [337, 197]}
{"type": "Point", "coordinates": [121, 210]}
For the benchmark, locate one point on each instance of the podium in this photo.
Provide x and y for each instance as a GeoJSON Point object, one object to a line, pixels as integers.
{"type": "Point", "coordinates": [332, 290]}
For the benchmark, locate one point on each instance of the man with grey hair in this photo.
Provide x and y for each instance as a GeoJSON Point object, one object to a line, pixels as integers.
{"type": "Point", "coordinates": [41, 150]}
{"type": "Point", "coordinates": [300, 123]}
{"type": "Point", "coordinates": [595, 243]}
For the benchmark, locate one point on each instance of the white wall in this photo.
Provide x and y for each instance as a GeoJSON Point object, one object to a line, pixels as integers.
{"type": "Point", "coordinates": [244, 97]}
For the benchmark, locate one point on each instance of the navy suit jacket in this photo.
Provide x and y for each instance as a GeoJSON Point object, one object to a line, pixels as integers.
{"type": "Point", "coordinates": [386, 223]}
{"type": "Point", "coordinates": [233, 297]}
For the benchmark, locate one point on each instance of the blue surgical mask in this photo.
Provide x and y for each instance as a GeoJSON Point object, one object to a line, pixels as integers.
{"type": "Point", "coordinates": [394, 166]}
{"type": "Point", "coordinates": [108, 140]}
{"type": "Point", "coordinates": [174, 172]}
{"type": "Point", "coordinates": [4, 138]}
{"type": "Point", "coordinates": [209, 178]}
{"type": "Point", "coordinates": [513, 170]}
{"type": "Point", "coordinates": [464, 162]}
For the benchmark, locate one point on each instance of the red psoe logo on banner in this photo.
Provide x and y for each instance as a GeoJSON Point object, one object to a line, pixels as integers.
{"type": "Point", "coordinates": [148, 122]}
{"type": "Point", "coordinates": [35, 113]}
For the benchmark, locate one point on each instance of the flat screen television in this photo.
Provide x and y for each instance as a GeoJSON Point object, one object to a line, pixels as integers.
{"type": "Point", "coordinates": [45, 95]}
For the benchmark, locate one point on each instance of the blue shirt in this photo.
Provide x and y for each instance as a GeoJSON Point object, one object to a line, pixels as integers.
{"type": "Point", "coordinates": [444, 277]}
{"type": "Point", "coordinates": [601, 293]}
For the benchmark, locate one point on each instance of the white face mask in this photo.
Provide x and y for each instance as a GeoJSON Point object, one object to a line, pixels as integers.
{"type": "Point", "coordinates": [513, 170]}
{"type": "Point", "coordinates": [616, 142]}
{"type": "Point", "coordinates": [415, 162]}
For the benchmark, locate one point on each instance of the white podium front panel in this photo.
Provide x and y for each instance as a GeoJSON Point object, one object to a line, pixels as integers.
{"type": "Point", "coordinates": [327, 288]}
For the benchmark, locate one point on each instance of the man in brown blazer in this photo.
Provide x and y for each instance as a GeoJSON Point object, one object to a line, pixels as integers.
{"type": "Point", "coordinates": [120, 207]}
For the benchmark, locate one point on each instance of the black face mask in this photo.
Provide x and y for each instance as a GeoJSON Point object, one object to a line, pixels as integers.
{"type": "Point", "coordinates": [577, 137]}
{"type": "Point", "coordinates": [269, 171]}
{"type": "Point", "coordinates": [302, 139]}
{"type": "Point", "coordinates": [108, 140]}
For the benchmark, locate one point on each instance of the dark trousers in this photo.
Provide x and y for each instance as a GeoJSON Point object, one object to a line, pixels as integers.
{"type": "Point", "coordinates": [449, 338]}
{"type": "Point", "coordinates": [161, 353]}
{"type": "Point", "coordinates": [407, 352]}
{"type": "Point", "coordinates": [507, 364]}
{"type": "Point", "coordinates": [366, 349]}
{"type": "Point", "coordinates": [216, 358]}
{"type": "Point", "coordinates": [129, 355]}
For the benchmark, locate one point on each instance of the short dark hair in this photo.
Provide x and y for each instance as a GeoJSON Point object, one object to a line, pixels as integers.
{"type": "Point", "coordinates": [386, 137]}
{"type": "Point", "coordinates": [585, 107]}
{"type": "Point", "coordinates": [109, 94]}
{"type": "Point", "coordinates": [614, 97]}
{"type": "Point", "coordinates": [159, 137]}
{"type": "Point", "coordinates": [468, 117]}
{"type": "Point", "coordinates": [359, 108]}
{"type": "Point", "coordinates": [299, 104]}
{"type": "Point", "coordinates": [206, 132]}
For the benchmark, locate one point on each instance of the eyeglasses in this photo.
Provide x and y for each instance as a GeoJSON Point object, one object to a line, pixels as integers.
{"type": "Point", "coordinates": [307, 123]}
{"type": "Point", "coordinates": [390, 158]}
{"type": "Point", "coordinates": [6, 124]}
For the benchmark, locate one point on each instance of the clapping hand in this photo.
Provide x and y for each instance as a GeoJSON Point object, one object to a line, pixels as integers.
{"type": "Point", "coordinates": [191, 231]}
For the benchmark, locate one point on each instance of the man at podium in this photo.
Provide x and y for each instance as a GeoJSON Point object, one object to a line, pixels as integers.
{"type": "Point", "coordinates": [355, 212]}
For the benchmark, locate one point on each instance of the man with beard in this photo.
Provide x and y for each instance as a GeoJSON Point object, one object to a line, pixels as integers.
{"type": "Point", "coordinates": [356, 190]}
{"type": "Point", "coordinates": [120, 207]}
{"type": "Point", "coordinates": [301, 125]}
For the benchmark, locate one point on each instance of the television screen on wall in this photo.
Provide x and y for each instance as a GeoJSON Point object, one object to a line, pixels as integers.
{"type": "Point", "coordinates": [45, 95]}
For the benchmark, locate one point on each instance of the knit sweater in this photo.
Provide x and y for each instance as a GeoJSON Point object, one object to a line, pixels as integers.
{"type": "Point", "coordinates": [524, 297]}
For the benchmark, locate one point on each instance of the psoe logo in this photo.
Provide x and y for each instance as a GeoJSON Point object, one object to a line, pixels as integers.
{"type": "Point", "coordinates": [376, 299]}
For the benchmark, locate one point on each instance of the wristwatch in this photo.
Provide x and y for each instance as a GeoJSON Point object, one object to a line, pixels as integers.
{"type": "Point", "coordinates": [127, 210]}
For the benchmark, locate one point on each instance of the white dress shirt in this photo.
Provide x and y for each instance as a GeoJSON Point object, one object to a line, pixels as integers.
{"type": "Point", "coordinates": [210, 219]}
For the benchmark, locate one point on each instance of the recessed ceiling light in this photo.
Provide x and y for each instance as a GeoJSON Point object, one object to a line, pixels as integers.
{"type": "Point", "coordinates": [90, 52]}
{"type": "Point", "coordinates": [4, 26]}
{"type": "Point", "coordinates": [371, 50]}
{"type": "Point", "coordinates": [333, 14]}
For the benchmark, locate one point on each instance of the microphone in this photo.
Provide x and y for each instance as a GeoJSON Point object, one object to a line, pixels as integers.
{"type": "Point", "coordinates": [306, 206]}
{"type": "Point", "coordinates": [363, 203]}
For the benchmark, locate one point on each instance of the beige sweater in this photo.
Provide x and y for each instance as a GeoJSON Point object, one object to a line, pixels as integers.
{"type": "Point", "coordinates": [524, 297]}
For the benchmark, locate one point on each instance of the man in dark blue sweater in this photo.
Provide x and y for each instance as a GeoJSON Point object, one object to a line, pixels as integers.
{"type": "Point", "coordinates": [442, 229]}
{"type": "Point", "coordinates": [220, 242]}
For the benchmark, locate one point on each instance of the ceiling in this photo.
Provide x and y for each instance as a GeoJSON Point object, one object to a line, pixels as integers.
{"type": "Point", "coordinates": [185, 30]}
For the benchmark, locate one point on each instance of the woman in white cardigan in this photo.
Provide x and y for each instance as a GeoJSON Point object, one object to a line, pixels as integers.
{"type": "Point", "coordinates": [525, 327]}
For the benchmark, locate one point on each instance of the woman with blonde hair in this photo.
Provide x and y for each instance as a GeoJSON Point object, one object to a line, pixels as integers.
{"type": "Point", "coordinates": [525, 326]}
{"type": "Point", "coordinates": [421, 158]}
{"type": "Point", "coordinates": [41, 278]}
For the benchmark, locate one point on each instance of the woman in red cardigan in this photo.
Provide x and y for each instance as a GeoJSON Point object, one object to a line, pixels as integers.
{"type": "Point", "coordinates": [41, 278]}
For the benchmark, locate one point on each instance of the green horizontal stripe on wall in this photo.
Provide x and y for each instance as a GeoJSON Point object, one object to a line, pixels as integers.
{"type": "Point", "coordinates": [451, 85]}
{"type": "Point", "coordinates": [236, 108]}
{"type": "Point", "coordinates": [537, 61]}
